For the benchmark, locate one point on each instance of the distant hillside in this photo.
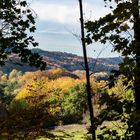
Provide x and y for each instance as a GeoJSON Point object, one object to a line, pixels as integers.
{"type": "Point", "coordinates": [66, 61]}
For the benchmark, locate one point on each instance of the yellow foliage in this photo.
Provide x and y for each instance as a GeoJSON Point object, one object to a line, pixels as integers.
{"type": "Point", "coordinates": [101, 84]}
{"type": "Point", "coordinates": [32, 75]}
{"type": "Point", "coordinates": [44, 86]}
{"type": "Point", "coordinates": [65, 83]}
{"type": "Point", "coordinates": [119, 89]}
{"type": "Point", "coordinates": [39, 96]}
{"type": "Point", "coordinates": [55, 72]}
{"type": "Point", "coordinates": [34, 87]}
{"type": "Point", "coordinates": [40, 91]}
{"type": "Point", "coordinates": [3, 78]}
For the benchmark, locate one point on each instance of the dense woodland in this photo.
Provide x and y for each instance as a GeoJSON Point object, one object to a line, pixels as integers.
{"type": "Point", "coordinates": [34, 101]}
{"type": "Point", "coordinates": [34, 104]}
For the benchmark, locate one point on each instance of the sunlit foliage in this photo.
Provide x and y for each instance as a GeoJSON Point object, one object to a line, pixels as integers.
{"type": "Point", "coordinates": [117, 106]}
{"type": "Point", "coordinates": [42, 100]}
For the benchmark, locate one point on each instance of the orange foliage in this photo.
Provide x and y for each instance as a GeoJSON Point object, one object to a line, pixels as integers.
{"type": "Point", "coordinates": [32, 75]}
{"type": "Point", "coordinates": [65, 83]}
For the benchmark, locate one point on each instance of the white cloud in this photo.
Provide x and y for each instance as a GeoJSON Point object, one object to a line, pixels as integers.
{"type": "Point", "coordinates": [60, 19]}
{"type": "Point", "coordinates": [94, 11]}
{"type": "Point", "coordinates": [53, 32]}
{"type": "Point", "coordinates": [56, 12]}
{"type": "Point", "coordinates": [66, 14]}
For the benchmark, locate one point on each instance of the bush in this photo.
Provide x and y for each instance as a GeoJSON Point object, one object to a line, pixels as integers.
{"type": "Point", "coordinates": [74, 104]}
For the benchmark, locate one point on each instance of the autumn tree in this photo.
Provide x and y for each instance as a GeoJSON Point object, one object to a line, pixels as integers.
{"type": "Point", "coordinates": [10, 86]}
{"type": "Point", "coordinates": [121, 28]}
{"type": "Point", "coordinates": [116, 109]}
{"type": "Point", "coordinates": [16, 19]}
{"type": "Point", "coordinates": [34, 107]}
{"type": "Point", "coordinates": [74, 104]}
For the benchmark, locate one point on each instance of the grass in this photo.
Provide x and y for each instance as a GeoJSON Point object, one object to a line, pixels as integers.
{"type": "Point", "coordinates": [65, 132]}
{"type": "Point", "coordinates": [73, 132]}
{"type": "Point", "coordinates": [69, 132]}
{"type": "Point", "coordinates": [78, 132]}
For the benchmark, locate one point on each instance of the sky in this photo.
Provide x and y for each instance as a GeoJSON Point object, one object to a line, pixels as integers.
{"type": "Point", "coordinates": [58, 26]}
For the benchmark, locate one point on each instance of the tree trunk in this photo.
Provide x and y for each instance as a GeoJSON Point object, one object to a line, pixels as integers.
{"type": "Point", "coordinates": [87, 73]}
{"type": "Point", "coordinates": [137, 49]}
{"type": "Point", "coordinates": [137, 68]}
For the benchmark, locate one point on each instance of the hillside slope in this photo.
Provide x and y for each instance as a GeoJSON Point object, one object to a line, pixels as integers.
{"type": "Point", "coordinates": [66, 61]}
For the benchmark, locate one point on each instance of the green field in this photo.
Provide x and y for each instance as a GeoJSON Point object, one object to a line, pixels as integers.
{"type": "Point", "coordinates": [69, 132]}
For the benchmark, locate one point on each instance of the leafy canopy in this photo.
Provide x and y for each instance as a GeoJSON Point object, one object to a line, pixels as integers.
{"type": "Point", "coordinates": [121, 28]}
{"type": "Point", "coordinates": [117, 28]}
{"type": "Point", "coordinates": [16, 20]}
